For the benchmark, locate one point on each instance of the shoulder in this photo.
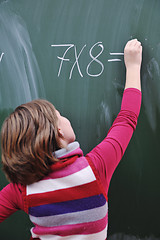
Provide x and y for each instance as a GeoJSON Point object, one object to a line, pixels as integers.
{"type": "Point", "coordinates": [13, 193]}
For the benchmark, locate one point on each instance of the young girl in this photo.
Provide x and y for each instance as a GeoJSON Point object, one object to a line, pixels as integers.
{"type": "Point", "coordinates": [63, 192]}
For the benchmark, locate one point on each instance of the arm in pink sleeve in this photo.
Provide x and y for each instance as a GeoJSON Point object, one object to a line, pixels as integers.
{"type": "Point", "coordinates": [109, 152]}
{"type": "Point", "coordinates": [10, 200]}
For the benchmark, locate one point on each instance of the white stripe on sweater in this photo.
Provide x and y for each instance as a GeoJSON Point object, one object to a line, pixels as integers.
{"type": "Point", "coordinates": [96, 236]}
{"type": "Point", "coordinates": [76, 179]}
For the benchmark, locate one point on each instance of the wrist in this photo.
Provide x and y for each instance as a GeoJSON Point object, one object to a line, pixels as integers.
{"type": "Point", "coordinates": [133, 78]}
{"type": "Point", "coordinates": [133, 68]}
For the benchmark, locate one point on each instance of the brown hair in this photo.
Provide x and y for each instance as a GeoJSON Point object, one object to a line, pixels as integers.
{"type": "Point", "coordinates": [29, 136]}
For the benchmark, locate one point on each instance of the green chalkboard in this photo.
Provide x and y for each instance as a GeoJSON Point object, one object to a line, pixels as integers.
{"type": "Point", "coordinates": [71, 53]}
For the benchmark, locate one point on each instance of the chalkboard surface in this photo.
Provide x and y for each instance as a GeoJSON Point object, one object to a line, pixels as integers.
{"type": "Point", "coordinates": [71, 53]}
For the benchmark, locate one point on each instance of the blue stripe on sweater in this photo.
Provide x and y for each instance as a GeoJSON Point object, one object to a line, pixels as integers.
{"type": "Point", "coordinates": [68, 206]}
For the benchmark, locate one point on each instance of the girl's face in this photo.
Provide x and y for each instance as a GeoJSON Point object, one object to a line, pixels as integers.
{"type": "Point", "coordinates": [65, 129]}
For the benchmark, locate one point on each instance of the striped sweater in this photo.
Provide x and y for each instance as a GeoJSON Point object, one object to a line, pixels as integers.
{"type": "Point", "coordinates": [70, 203]}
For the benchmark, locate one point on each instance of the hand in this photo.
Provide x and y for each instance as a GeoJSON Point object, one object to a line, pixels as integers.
{"type": "Point", "coordinates": [133, 54]}
{"type": "Point", "coordinates": [133, 59]}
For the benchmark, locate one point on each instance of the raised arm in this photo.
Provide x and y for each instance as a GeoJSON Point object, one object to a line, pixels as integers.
{"type": "Point", "coordinates": [109, 152]}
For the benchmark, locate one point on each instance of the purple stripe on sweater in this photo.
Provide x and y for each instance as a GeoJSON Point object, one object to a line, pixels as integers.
{"type": "Point", "coordinates": [68, 207]}
{"type": "Point", "coordinates": [90, 215]}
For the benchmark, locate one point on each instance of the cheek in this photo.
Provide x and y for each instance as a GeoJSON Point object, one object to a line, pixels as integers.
{"type": "Point", "coordinates": [67, 130]}
{"type": "Point", "coordinates": [71, 134]}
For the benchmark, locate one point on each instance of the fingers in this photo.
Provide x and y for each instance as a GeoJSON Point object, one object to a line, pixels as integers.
{"type": "Point", "coordinates": [133, 47]}
{"type": "Point", "coordinates": [137, 45]}
{"type": "Point", "coordinates": [134, 43]}
{"type": "Point", "coordinates": [133, 53]}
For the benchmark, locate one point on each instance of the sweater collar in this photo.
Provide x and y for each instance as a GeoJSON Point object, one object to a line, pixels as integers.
{"type": "Point", "coordinates": [71, 149]}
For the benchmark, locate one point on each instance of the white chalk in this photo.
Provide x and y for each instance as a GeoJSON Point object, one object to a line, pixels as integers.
{"type": "Point", "coordinates": [116, 53]}
{"type": "Point", "coordinates": [114, 60]}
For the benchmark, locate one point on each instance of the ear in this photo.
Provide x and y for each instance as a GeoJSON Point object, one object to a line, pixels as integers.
{"type": "Point", "coordinates": [60, 133]}
{"type": "Point", "coordinates": [62, 141]}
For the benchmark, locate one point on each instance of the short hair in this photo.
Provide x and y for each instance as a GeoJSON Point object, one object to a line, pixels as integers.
{"type": "Point", "coordinates": [29, 136]}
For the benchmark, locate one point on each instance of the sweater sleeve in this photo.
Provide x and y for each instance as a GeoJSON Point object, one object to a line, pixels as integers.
{"type": "Point", "coordinates": [10, 200]}
{"type": "Point", "coordinates": [109, 152]}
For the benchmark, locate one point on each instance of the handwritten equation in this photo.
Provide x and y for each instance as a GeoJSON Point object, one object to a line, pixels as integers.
{"type": "Point", "coordinates": [94, 59]}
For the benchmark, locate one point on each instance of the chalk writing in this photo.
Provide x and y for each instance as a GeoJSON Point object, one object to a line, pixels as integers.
{"type": "Point", "coordinates": [76, 62]}
{"type": "Point", "coordinates": [115, 59]}
{"type": "Point", "coordinates": [62, 58]}
{"type": "Point", "coordinates": [1, 56]}
{"type": "Point", "coordinates": [94, 59]}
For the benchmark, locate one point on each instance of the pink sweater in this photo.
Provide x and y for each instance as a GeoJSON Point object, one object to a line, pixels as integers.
{"type": "Point", "coordinates": [105, 157]}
